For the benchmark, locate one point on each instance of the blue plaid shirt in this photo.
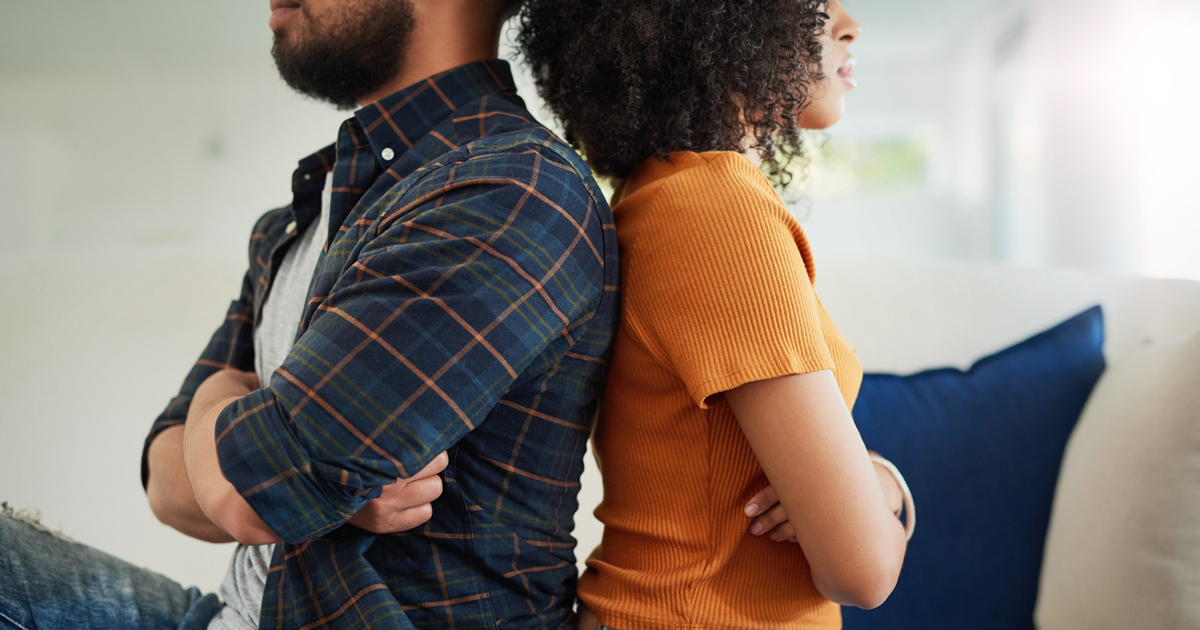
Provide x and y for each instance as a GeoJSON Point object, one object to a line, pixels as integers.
{"type": "Point", "coordinates": [466, 301]}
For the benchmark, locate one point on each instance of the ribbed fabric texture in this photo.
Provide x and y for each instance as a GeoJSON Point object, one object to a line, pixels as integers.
{"type": "Point", "coordinates": [717, 291]}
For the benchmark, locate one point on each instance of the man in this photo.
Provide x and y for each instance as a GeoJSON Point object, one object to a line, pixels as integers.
{"type": "Point", "coordinates": [447, 307]}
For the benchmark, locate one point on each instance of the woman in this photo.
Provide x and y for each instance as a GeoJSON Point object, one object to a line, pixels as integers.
{"type": "Point", "coordinates": [730, 389]}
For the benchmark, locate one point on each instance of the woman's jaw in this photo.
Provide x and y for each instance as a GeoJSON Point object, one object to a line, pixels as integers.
{"type": "Point", "coordinates": [837, 64]}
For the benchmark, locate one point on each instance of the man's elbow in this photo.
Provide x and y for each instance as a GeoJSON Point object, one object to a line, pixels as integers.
{"type": "Point", "coordinates": [158, 504]}
{"type": "Point", "coordinates": [229, 511]}
{"type": "Point", "coordinates": [165, 507]}
{"type": "Point", "coordinates": [181, 519]}
{"type": "Point", "coordinates": [251, 534]}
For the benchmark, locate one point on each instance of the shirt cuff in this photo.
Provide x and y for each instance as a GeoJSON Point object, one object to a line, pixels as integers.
{"type": "Point", "coordinates": [261, 454]}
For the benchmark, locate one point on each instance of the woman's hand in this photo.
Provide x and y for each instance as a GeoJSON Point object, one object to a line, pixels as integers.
{"type": "Point", "coordinates": [891, 487]}
{"type": "Point", "coordinates": [772, 520]}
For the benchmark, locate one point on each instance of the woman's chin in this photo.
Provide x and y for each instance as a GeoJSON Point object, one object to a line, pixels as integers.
{"type": "Point", "coordinates": [823, 114]}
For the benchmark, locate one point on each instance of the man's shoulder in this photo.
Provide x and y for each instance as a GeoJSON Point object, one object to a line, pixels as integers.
{"type": "Point", "coordinates": [520, 154]}
{"type": "Point", "coordinates": [519, 138]}
{"type": "Point", "coordinates": [502, 134]}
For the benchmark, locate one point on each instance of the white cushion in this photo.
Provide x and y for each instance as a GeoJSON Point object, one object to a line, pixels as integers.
{"type": "Point", "coordinates": [1123, 550]}
{"type": "Point", "coordinates": [905, 316]}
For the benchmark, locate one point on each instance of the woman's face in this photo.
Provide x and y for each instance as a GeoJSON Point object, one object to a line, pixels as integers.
{"type": "Point", "coordinates": [829, 99]}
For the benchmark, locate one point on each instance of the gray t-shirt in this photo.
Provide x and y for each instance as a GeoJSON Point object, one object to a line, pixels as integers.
{"type": "Point", "coordinates": [242, 590]}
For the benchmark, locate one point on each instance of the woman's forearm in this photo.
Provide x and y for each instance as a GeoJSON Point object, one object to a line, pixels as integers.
{"type": "Point", "coordinates": [812, 454]}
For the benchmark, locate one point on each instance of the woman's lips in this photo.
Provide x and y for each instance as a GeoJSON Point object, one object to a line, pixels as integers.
{"type": "Point", "coordinates": [846, 72]}
{"type": "Point", "coordinates": [280, 10]}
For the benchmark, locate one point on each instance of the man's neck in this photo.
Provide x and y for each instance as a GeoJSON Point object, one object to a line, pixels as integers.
{"type": "Point", "coordinates": [448, 34]}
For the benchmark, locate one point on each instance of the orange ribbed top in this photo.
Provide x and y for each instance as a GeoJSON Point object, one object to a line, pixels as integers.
{"type": "Point", "coordinates": [717, 291]}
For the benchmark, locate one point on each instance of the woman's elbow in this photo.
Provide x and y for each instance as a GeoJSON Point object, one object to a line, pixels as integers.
{"type": "Point", "coordinates": [867, 592]}
{"type": "Point", "coordinates": [867, 585]}
{"type": "Point", "coordinates": [873, 595]}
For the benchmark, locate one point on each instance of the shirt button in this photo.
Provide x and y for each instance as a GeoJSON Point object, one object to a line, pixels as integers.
{"type": "Point", "coordinates": [307, 176]}
{"type": "Point", "coordinates": [388, 154]}
{"type": "Point", "coordinates": [291, 228]}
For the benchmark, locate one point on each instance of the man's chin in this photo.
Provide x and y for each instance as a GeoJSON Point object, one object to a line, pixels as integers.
{"type": "Point", "coordinates": [338, 63]}
{"type": "Point", "coordinates": [284, 36]}
{"type": "Point", "coordinates": [293, 33]}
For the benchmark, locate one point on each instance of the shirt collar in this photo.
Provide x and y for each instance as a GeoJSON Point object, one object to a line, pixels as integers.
{"type": "Point", "coordinates": [308, 182]}
{"type": "Point", "coordinates": [394, 123]}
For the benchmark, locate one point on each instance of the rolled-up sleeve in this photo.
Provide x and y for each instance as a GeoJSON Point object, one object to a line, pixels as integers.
{"type": "Point", "coordinates": [435, 312]}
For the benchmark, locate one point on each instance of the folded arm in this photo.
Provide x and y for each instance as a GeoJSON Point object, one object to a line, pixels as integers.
{"type": "Point", "coordinates": [811, 451]}
{"type": "Point", "coordinates": [170, 492]}
{"type": "Point", "coordinates": [400, 506]}
{"type": "Point", "coordinates": [432, 321]}
{"type": "Point", "coordinates": [217, 498]}
{"type": "Point", "coordinates": [771, 519]}
{"type": "Point", "coordinates": [216, 512]}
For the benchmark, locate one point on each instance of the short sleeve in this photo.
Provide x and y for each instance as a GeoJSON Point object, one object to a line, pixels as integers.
{"type": "Point", "coordinates": [717, 280]}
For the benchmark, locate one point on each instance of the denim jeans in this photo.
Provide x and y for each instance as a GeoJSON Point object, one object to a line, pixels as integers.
{"type": "Point", "coordinates": [49, 583]}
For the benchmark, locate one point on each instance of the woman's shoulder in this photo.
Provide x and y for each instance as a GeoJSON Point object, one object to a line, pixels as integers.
{"type": "Point", "coordinates": [705, 214]}
{"type": "Point", "coordinates": [690, 188]}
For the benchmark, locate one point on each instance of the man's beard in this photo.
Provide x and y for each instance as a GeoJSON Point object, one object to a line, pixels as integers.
{"type": "Point", "coordinates": [343, 58]}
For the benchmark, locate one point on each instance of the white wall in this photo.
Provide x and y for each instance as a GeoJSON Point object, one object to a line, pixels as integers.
{"type": "Point", "coordinates": [94, 344]}
{"type": "Point", "coordinates": [148, 159]}
{"type": "Point", "coordinates": [1053, 132]}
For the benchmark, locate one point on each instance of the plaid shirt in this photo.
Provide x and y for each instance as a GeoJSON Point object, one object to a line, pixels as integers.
{"type": "Point", "coordinates": [466, 302]}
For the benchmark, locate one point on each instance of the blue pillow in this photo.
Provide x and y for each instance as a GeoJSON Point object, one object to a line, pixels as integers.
{"type": "Point", "coordinates": [981, 451]}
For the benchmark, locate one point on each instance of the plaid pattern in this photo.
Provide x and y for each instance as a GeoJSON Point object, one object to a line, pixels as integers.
{"type": "Point", "coordinates": [466, 301]}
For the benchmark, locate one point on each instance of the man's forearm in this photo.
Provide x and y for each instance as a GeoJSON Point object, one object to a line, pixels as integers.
{"type": "Point", "coordinates": [216, 496]}
{"type": "Point", "coordinates": [170, 493]}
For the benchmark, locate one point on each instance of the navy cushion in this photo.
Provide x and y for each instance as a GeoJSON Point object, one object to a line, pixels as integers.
{"type": "Point", "coordinates": [981, 452]}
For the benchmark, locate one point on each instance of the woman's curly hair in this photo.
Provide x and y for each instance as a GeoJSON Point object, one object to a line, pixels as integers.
{"type": "Point", "coordinates": [635, 79]}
